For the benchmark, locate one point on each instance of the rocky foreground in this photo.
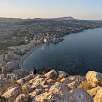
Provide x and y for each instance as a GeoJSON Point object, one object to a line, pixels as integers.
{"type": "Point", "coordinates": [54, 86]}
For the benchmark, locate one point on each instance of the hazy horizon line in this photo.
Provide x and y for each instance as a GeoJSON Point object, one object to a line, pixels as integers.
{"type": "Point", "coordinates": [46, 17]}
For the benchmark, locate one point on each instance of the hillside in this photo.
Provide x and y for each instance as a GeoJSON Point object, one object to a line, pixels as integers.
{"type": "Point", "coordinates": [13, 31]}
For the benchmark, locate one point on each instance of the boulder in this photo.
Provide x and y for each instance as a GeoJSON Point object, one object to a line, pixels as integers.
{"type": "Point", "coordinates": [94, 78]}
{"type": "Point", "coordinates": [50, 81]}
{"type": "Point", "coordinates": [37, 82]}
{"type": "Point", "coordinates": [37, 92]}
{"type": "Point", "coordinates": [28, 77]}
{"type": "Point", "coordinates": [42, 97]}
{"type": "Point", "coordinates": [51, 74]}
{"type": "Point", "coordinates": [72, 82]}
{"type": "Point", "coordinates": [12, 93]}
{"type": "Point", "coordinates": [33, 79]}
{"type": "Point", "coordinates": [93, 91]}
{"type": "Point", "coordinates": [25, 79]}
{"type": "Point", "coordinates": [20, 81]}
{"type": "Point", "coordinates": [59, 88]}
{"type": "Point", "coordinates": [98, 97]}
{"type": "Point", "coordinates": [56, 93]}
{"type": "Point", "coordinates": [85, 85]}
{"type": "Point", "coordinates": [62, 74]}
{"type": "Point", "coordinates": [21, 98]}
{"type": "Point", "coordinates": [79, 95]}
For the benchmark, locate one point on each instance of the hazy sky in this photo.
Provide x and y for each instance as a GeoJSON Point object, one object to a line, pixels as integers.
{"type": "Point", "coordinates": [84, 9]}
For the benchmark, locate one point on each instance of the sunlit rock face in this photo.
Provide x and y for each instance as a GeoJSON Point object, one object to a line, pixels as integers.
{"type": "Point", "coordinates": [94, 78]}
{"type": "Point", "coordinates": [98, 96]}
{"type": "Point", "coordinates": [12, 93]}
{"type": "Point", "coordinates": [55, 86]}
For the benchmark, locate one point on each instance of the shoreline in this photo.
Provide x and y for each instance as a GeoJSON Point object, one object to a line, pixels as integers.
{"type": "Point", "coordinates": [30, 46]}
{"type": "Point", "coordinates": [24, 51]}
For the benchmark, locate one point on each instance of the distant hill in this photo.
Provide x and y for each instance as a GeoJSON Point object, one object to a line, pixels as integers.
{"type": "Point", "coordinates": [64, 18]}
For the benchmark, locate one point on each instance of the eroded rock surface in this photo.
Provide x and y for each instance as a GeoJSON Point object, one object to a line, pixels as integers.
{"type": "Point", "coordinates": [55, 87]}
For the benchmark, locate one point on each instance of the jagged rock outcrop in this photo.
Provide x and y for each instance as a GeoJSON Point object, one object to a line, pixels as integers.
{"type": "Point", "coordinates": [55, 91]}
{"type": "Point", "coordinates": [56, 87]}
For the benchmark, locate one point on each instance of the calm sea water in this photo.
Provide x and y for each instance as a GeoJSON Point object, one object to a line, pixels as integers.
{"type": "Point", "coordinates": [78, 53]}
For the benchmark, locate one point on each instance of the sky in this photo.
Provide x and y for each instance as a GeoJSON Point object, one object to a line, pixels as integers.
{"type": "Point", "coordinates": [82, 9]}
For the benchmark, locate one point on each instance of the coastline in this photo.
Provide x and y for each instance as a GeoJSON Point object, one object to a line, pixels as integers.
{"type": "Point", "coordinates": [26, 50]}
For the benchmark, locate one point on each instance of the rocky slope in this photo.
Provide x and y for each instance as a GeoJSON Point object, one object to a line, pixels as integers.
{"type": "Point", "coordinates": [54, 86]}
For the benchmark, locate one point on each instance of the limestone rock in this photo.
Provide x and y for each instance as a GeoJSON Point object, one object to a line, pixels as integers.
{"type": "Point", "coordinates": [94, 78]}
{"type": "Point", "coordinates": [79, 95]}
{"type": "Point", "coordinates": [59, 88]}
{"type": "Point", "coordinates": [51, 74]}
{"type": "Point", "coordinates": [20, 81]}
{"type": "Point", "coordinates": [37, 92]}
{"type": "Point", "coordinates": [28, 77]}
{"type": "Point", "coordinates": [72, 82]}
{"type": "Point", "coordinates": [50, 81]}
{"type": "Point", "coordinates": [62, 74]}
{"type": "Point", "coordinates": [56, 93]}
{"type": "Point", "coordinates": [11, 93]}
{"type": "Point", "coordinates": [25, 79]}
{"type": "Point", "coordinates": [85, 85]}
{"type": "Point", "coordinates": [42, 97]}
{"type": "Point", "coordinates": [98, 97]}
{"type": "Point", "coordinates": [32, 80]}
{"type": "Point", "coordinates": [94, 91]}
{"type": "Point", "coordinates": [37, 82]}
{"type": "Point", "coordinates": [22, 98]}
